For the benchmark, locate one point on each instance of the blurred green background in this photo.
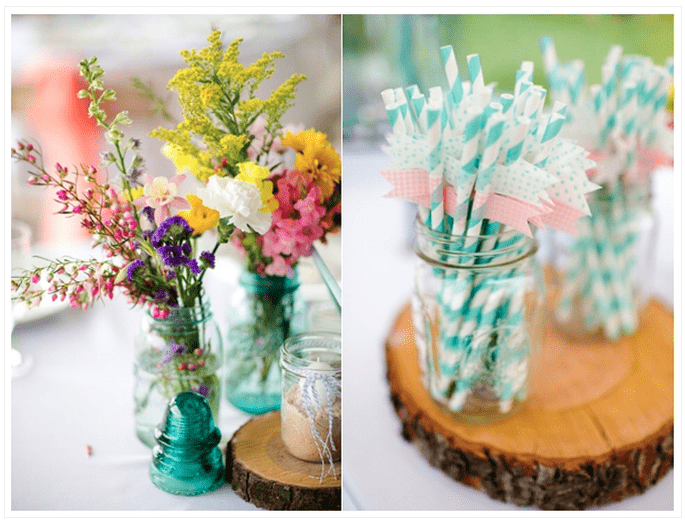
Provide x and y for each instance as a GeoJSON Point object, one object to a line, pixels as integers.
{"type": "Point", "coordinates": [388, 51]}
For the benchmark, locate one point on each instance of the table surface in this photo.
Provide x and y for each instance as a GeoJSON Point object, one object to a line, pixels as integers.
{"type": "Point", "coordinates": [382, 471]}
{"type": "Point", "coordinates": [79, 392]}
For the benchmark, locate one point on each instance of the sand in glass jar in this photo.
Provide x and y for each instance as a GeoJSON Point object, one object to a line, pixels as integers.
{"type": "Point", "coordinates": [311, 395]}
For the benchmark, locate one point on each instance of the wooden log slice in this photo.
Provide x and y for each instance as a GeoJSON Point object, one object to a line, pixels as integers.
{"type": "Point", "coordinates": [262, 471]}
{"type": "Point", "coordinates": [597, 427]}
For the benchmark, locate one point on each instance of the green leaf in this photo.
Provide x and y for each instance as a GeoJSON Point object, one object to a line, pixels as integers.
{"type": "Point", "coordinates": [122, 118]}
{"type": "Point", "coordinates": [108, 94]}
{"type": "Point", "coordinates": [122, 273]}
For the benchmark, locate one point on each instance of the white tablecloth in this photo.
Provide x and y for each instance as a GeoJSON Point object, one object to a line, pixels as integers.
{"type": "Point", "coordinates": [79, 392]}
{"type": "Point", "coordinates": [381, 470]}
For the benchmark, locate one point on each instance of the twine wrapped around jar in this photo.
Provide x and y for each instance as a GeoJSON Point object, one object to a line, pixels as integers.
{"type": "Point", "coordinates": [311, 408]}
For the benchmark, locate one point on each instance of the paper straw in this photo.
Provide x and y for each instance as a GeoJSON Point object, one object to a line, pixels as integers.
{"type": "Point", "coordinates": [518, 137]}
{"type": "Point", "coordinates": [388, 96]}
{"type": "Point", "coordinates": [507, 101]}
{"type": "Point", "coordinates": [435, 128]}
{"type": "Point", "coordinates": [576, 83]}
{"type": "Point", "coordinates": [418, 101]}
{"type": "Point", "coordinates": [476, 76]}
{"type": "Point", "coordinates": [456, 91]}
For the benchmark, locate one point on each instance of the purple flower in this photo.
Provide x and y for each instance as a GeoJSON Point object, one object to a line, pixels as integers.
{"type": "Point", "coordinates": [176, 224]}
{"type": "Point", "coordinates": [194, 267]}
{"type": "Point", "coordinates": [161, 295]}
{"type": "Point", "coordinates": [172, 256]}
{"type": "Point", "coordinates": [133, 175]}
{"type": "Point", "coordinates": [172, 302]}
{"type": "Point", "coordinates": [149, 212]}
{"type": "Point", "coordinates": [173, 350]}
{"type": "Point", "coordinates": [178, 349]}
{"type": "Point", "coordinates": [202, 389]}
{"type": "Point", "coordinates": [131, 270]}
{"type": "Point", "coordinates": [208, 259]}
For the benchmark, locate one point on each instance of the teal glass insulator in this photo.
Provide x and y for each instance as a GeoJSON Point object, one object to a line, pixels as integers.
{"type": "Point", "coordinates": [186, 460]}
{"type": "Point", "coordinates": [264, 311]}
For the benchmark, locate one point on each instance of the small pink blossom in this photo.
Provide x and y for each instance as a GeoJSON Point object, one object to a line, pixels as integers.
{"type": "Point", "coordinates": [279, 267]}
{"type": "Point", "coordinates": [160, 313]}
{"type": "Point", "coordinates": [160, 194]}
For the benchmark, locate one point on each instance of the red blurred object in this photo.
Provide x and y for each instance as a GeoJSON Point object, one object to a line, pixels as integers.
{"type": "Point", "coordinates": [65, 132]}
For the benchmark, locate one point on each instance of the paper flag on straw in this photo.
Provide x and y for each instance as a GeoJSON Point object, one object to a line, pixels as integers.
{"type": "Point", "coordinates": [476, 158]}
{"type": "Point", "coordinates": [618, 120]}
{"type": "Point", "coordinates": [414, 185]}
{"type": "Point", "coordinates": [512, 212]}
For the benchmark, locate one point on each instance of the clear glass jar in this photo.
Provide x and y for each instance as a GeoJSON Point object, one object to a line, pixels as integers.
{"type": "Point", "coordinates": [478, 313]}
{"type": "Point", "coordinates": [263, 313]}
{"type": "Point", "coordinates": [311, 396]}
{"type": "Point", "coordinates": [182, 352]}
{"type": "Point", "coordinates": [602, 276]}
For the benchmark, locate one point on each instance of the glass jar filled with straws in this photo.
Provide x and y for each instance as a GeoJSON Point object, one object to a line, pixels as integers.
{"type": "Point", "coordinates": [483, 168]}
{"type": "Point", "coordinates": [601, 277]}
{"type": "Point", "coordinates": [478, 319]}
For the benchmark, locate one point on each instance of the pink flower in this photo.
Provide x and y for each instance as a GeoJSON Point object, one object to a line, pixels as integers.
{"type": "Point", "coordinates": [279, 266]}
{"type": "Point", "coordinates": [298, 178]}
{"type": "Point", "coordinates": [160, 313]}
{"type": "Point", "coordinates": [161, 194]}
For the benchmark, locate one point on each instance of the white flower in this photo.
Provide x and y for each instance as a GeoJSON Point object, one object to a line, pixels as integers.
{"type": "Point", "coordinates": [238, 200]}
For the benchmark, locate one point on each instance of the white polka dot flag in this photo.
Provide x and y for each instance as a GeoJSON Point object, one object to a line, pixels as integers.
{"type": "Point", "coordinates": [515, 170]}
{"type": "Point", "coordinates": [621, 119]}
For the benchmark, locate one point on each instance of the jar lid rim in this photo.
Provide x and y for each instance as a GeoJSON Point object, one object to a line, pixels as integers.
{"type": "Point", "coordinates": [317, 341]}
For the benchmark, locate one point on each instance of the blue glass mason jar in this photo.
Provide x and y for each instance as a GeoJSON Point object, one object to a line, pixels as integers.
{"type": "Point", "coordinates": [264, 311]}
{"type": "Point", "coordinates": [178, 353]}
{"type": "Point", "coordinates": [478, 315]}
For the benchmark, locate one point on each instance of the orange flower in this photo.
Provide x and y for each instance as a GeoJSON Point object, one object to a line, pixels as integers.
{"type": "Point", "coordinates": [315, 156]}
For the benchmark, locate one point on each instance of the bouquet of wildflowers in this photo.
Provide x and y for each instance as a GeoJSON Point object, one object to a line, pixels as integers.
{"type": "Point", "coordinates": [228, 133]}
{"type": "Point", "coordinates": [150, 251]}
{"type": "Point", "coordinates": [229, 136]}
{"type": "Point", "coordinates": [148, 233]}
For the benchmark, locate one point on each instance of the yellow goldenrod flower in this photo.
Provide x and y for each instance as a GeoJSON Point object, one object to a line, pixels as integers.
{"type": "Point", "coordinates": [183, 162]}
{"type": "Point", "coordinates": [199, 217]}
{"type": "Point", "coordinates": [210, 94]}
{"type": "Point", "coordinates": [218, 104]}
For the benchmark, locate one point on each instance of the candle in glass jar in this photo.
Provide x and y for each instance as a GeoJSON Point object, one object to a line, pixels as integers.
{"type": "Point", "coordinates": [310, 408]}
